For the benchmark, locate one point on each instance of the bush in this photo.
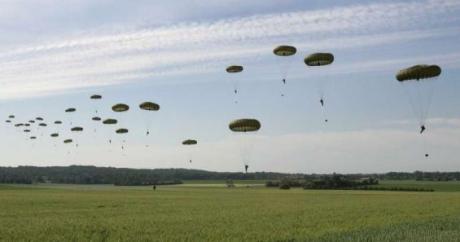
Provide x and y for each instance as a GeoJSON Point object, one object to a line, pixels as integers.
{"type": "Point", "coordinates": [285, 186]}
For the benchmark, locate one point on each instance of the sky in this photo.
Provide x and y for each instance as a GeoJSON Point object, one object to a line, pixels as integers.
{"type": "Point", "coordinates": [56, 54]}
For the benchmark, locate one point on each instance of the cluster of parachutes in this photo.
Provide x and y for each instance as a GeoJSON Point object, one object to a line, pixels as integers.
{"type": "Point", "coordinates": [412, 77]}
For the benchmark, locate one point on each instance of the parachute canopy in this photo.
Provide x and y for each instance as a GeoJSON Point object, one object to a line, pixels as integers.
{"type": "Point", "coordinates": [39, 118]}
{"type": "Point", "coordinates": [57, 122]}
{"type": "Point", "coordinates": [244, 125]}
{"type": "Point", "coordinates": [26, 130]}
{"type": "Point", "coordinates": [234, 69]}
{"type": "Point", "coordinates": [120, 107]}
{"type": "Point", "coordinates": [8, 121]}
{"type": "Point", "coordinates": [189, 142]}
{"type": "Point", "coordinates": [110, 121]}
{"type": "Point", "coordinates": [121, 131]}
{"type": "Point", "coordinates": [319, 59]}
{"type": "Point", "coordinates": [76, 129]}
{"type": "Point", "coordinates": [27, 124]}
{"type": "Point", "coordinates": [70, 110]}
{"type": "Point", "coordinates": [54, 135]}
{"type": "Point", "coordinates": [67, 141]}
{"type": "Point", "coordinates": [418, 72]}
{"type": "Point", "coordinates": [42, 124]}
{"type": "Point", "coordinates": [96, 118]}
{"type": "Point", "coordinates": [11, 116]}
{"type": "Point", "coordinates": [284, 50]}
{"type": "Point", "coordinates": [18, 125]}
{"type": "Point", "coordinates": [33, 137]}
{"type": "Point", "coordinates": [96, 96]}
{"type": "Point", "coordinates": [31, 121]}
{"type": "Point", "coordinates": [149, 106]}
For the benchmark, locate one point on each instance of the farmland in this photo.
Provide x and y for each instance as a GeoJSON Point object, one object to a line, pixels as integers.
{"type": "Point", "coordinates": [215, 213]}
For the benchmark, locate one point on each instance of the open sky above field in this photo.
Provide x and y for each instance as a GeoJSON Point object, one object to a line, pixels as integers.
{"type": "Point", "coordinates": [55, 54]}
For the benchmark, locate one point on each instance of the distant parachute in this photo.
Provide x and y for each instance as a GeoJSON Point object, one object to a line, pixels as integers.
{"type": "Point", "coordinates": [120, 107]}
{"type": "Point", "coordinates": [54, 135]}
{"type": "Point", "coordinates": [190, 142]}
{"type": "Point", "coordinates": [19, 125]}
{"type": "Point", "coordinates": [70, 110]}
{"type": "Point", "coordinates": [11, 116]}
{"type": "Point", "coordinates": [42, 124]}
{"type": "Point", "coordinates": [57, 122]}
{"type": "Point", "coordinates": [96, 97]}
{"type": "Point", "coordinates": [27, 124]}
{"type": "Point", "coordinates": [315, 60]}
{"type": "Point", "coordinates": [33, 137]}
{"type": "Point", "coordinates": [8, 121]}
{"type": "Point", "coordinates": [121, 131]}
{"type": "Point", "coordinates": [234, 80]}
{"type": "Point", "coordinates": [245, 126]}
{"type": "Point", "coordinates": [68, 141]}
{"type": "Point", "coordinates": [39, 118]}
{"type": "Point", "coordinates": [285, 53]}
{"type": "Point", "coordinates": [148, 106]}
{"type": "Point", "coordinates": [418, 83]}
{"type": "Point", "coordinates": [96, 119]}
{"type": "Point", "coordinates": [31, 121]}
{"type": "Point", "coordinates": [76, 129]}
{"type": "Point", "coordinates": [26, 130]}
{"type": "Point", "coordinates": [110, 121]}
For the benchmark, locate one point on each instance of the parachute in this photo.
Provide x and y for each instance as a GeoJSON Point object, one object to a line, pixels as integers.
{"type": "Point", "coordinates": [8, 121]}
{"type": "Point", "coordinates": [68, 141]}
{"type": "Point", "coordinates": [57, 122]}
{"type": "Point", "coordinates": [27, 124]}
{"type": "Point", "coordinates": [285, 52]}
{"type": "Point", "coordinates": [245, 126]}
{"type": "Point", "coordinates": [418, 83]}
{"type": "Point", "coordinates": [31, 121]}
{"type": "Point", "coordinates": [191, 143]}
{"type": "Point", "coordinates": [39, 118]}
{"type": "Point", "coordinates": [315, 60]}
{"type": "Point", "coordinates": [96, 119]}
{"type": "Point", "coordinates": [26, 130]}
{"type": "Point", "coordinates": [110, 121]}
{"type": "Point", "coordinates": [19, 125]}
{"type": "Point", "coordinates": [54, 135]}
{"type": "Point", "coordinates": [70, 110]}
{"type": "Point", "coordinates": [11, 116]}
{"type": "Point", "coordinates": [33, 137]}
{"type": "Point", "coordinates": [120, 107]}
{"type": "Point", "coordinates": [234, 69]}
{"type": "Point", "coordinates": [76, 129]}
{"type": "Point", "coordinates": [121, 131]}
{"type": "Point", "coordinates": [95, 97]}
{"type": "Point", "coordinates": [148, 106]}
{"type": "Point", "coordinates": [42, 124]}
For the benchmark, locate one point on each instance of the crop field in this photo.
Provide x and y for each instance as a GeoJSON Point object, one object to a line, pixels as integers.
{"type": "Point", "coordinates": [215, 213]}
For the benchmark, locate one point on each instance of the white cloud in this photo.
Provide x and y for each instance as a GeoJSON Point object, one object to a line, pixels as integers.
{"type": "Point", "coordinates": [111, 58]}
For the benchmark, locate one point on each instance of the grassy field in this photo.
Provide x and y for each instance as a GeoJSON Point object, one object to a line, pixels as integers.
{"type": "Point", "coordinates": [213, 213]}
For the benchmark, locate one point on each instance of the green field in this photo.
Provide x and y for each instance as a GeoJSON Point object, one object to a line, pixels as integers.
{"type": "Point", "coordinates": [211, 212]}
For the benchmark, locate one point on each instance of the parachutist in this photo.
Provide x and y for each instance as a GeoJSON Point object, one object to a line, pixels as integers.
{"type": "Point", "coordinates": [190, 161]}
{"type": "Point", "coordinates": [236, 91]}
{"type": "Point", "coordinates": [246, 168]}
{"type": "Point", "coordinates": [284, 81]}
{"type": "Point", "coordinates": [110, 141]}
{"type": "Point", "coordinates": [427, 155]}
{"type": "Point", "coordinates": [326, 120]}
{"type": "Point", "coordinates": [282, 95]}
{"type": "Point", "coordinates": [148, 132]}
{"type": "Point", "coordinates": [322, 102]}
{"type": "Point", "coordinates": [422, 128]}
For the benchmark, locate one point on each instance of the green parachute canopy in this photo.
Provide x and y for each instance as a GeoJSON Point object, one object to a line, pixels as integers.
{"type": "Point", "coordinates": [244, 125]}
{"type": "Point", "coordinates": [418, 72]}
{"type": "Point", "coordinates": [33, 137]}
{"type": "Point", "coordinates": [26, 130]}
{"type": "Point", "coordinates": [110, 121]}
{"type": "Point", "coordinates": [19, 125]}
{"type": "Point", "coordinates": [11, 116]}
{"type": "Point", "coordinates": [121, 131]}
{"type": "Point", "coordinates": [96, 97]}
{"type": "Point", "coordinates": [76, 129]}
{"type": "Point", "coordinates": [27, 124]}
{"type": "Point", "coordinates": [68, 141]}
{"type": "Point", "coordinates": [70, 110]}
{"type": "Point", "coordinates": [54, 135]}
{"type": "Point", "coordinates": [42, 125]}
{"type": "Point", "coordinates": [57, 122]}
{"type": "Point", "coordinates": [96, 118]}
{"type": "Point", "coordinates": [8, 121]}
{"type": "Point", "coordinates": [149, 106]}
{"type": "Point", "coordinates": [39, 118]}
{"type": "Point", "coordinates": [234, 69]}
{"type": "Point", "coordinates": [319, 59]}
{"type": "Point", "coordinates": [31, 121]}
{"type": "Point", "coordinates": [120, 107]}
{"type": "Point", "coordinates": [189, 142]}
{"type": "Point", "coordinates": [284, 50]}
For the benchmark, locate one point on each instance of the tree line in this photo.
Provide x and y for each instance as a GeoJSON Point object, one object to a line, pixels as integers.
{"type": "Point", "coordinates": [127, 176]}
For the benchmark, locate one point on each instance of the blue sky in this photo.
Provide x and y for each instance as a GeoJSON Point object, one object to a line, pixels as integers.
{"type": "Point", "coordinates": [55, 54]}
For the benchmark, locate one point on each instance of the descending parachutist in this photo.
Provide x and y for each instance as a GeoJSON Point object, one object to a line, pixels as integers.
{"type": "Point", "coordinates": [422, 128]}
{"type": "Point", "coordinates": [322, 102]}
{"type": "Point", "coordinates": [284, 81]}
{"type": "Point", "coordinates": [326, 120]}
{"type": "Point", "coordinates": [148, 132]}
{"type": "Point", "coordinates": [246, 168]}
{"type": "Point", "coordinates": [190, 161]}
{"type": "Point", "coordinates": [236, 91]}
{"type": "Point", "coordinates": [427, 155]}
